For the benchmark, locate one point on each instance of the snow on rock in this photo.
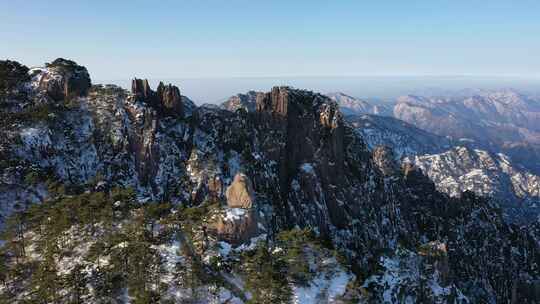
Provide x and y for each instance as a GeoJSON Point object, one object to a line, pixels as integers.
{"type": "Point", "coordinates": [489, 175]}
{"type": "Point", "coordinates": [234, 214]}
{"type": "Point", "coordinates": [308, 168]}
{"type": "Point", "coordinates": [329, 284]}
{"type": "Point", "coordinates": [406, 278]}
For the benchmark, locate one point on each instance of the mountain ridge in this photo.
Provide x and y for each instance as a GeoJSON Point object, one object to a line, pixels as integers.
{"type": "Point", "coordinates": [309, 169]}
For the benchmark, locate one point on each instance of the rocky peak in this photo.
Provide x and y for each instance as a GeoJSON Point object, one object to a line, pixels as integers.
{"type": "Point", "coordinates": [63, 79]}
{"type": "Point", "coordinates": [245, 101]}
{"type": "Point", "coordinates": [167, 99]}
{"type": "Point", "coordinates": [275, 101]}
{"type": "Point", "coordinates": [141, 88]}
{"type": "Point", "coordinates": [170, 99]}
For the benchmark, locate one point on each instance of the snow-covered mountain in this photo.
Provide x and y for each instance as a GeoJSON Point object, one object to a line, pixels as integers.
{"type": "Point", "coordinates": [496, 116]}
{"type": "Point", "coordinates": [352, 106]}
{"type": "Point", "coordinates": [116, 196]}
{"type": "Point", "coordinates": [455, 168]}
{"type": "Point", "coordinates": [496, 120]}
{"type": "Point", "coordinates": [404, 138]}
{"type": "Point", "coordinates": [486, 174]}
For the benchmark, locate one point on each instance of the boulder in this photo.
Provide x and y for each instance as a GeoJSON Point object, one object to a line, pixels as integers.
{"type": "Point", "coordinates": [240, 193]}
{"type": "Point", "coordinates": [237, 225]}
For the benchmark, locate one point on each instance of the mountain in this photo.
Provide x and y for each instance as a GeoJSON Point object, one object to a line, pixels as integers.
{"type": "Point", "coordinates": [139, 196]}
{"type": "Point", "coordinates": [515, 116]}
{"type": "Point", "coordinates": [241, 101]}
{"type": "Point", "coordinates": [404, 138]}
{"type": "Point", "coordinates": [487, 174]}
{"type": "Point", "coordinates": [351, 105]}
{"type": "Point", "coordinates": [455, 168]}
{"type": "Point", "coordinates": [348, 105]}
{"type": "Point", "coordinates": [495, 120]}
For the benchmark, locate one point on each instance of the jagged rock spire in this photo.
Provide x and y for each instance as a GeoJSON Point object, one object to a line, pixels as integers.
{"type": "Point", "coordinates": [141, 88]}
{"type": "Point", "coordinates": [276, 101]}
{"type": "Point", "coordinates": [170, 99]}
{"type": "Point", "coordinates": [167, 99]}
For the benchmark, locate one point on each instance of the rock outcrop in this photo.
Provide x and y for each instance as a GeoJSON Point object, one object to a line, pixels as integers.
{"type": "Point", "coordinates": [245, 102]}
{"type": "Point", "coordinates": [64, 79]}
{"type": "Point", "coordinates": [170, 99]}
{"type": "Point", "coordinates": [166, 100]}
{"type": "Point", "coordinates": [240, 192]}
{"type": "Point", "coordinates": [237, 225]}
{"type": "Point", "coordinates": [312, 130]}
{"type": "Point", "coordinates": [141, 89]}
{"type": "Point", "coordinates": [384, 159]}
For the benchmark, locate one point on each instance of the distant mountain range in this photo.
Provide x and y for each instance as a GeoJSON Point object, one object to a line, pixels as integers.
{"type": "Point", "coordinates": [351, 105]}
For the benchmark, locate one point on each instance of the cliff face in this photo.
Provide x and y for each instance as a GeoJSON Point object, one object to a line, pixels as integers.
{"type": "Point", "coordinates": [307, 167]}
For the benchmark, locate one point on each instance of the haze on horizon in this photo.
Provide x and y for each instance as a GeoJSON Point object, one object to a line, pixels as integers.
{"type": "Point", "coordinates": [213, 49]}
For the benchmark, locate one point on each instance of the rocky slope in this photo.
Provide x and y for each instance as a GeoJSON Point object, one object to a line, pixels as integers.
{"type": "Point", "coordinates": [456, 166]}
{"type": "Point", "coordinates": [489, 175]}
{"type": "Point", "coordinates": [139, 202]}
{"type": "Point", "coordinates": [404, 138]}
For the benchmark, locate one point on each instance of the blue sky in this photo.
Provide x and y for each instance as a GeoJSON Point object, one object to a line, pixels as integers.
{"type": "Point", "coordinates": [205, 38]}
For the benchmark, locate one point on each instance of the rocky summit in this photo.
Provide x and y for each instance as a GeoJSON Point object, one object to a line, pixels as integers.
{"type": "Point", "coordinates": [116, 196]}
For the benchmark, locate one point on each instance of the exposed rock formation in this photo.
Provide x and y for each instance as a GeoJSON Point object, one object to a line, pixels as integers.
{"type": "Point", "coordinates": [141, 89]}
{"type": "Point", "coordinates": [312, 128]}
{"type": "Point", "coordinates": [64, 79]}
{"type": "Point", "coordinates": [240, 192]}
{"type": "Point", "coordinates": [275, 101]}
{"type": "Point", "coordinates": [215, 188]}
{"type": "Point", "coordinates": [383, 157]}
{"type": "Point", "coordinates": [237, 225]}
{"type": "Point", "coordinates": [246, 102]}
{"type": "Point", "coordinates": [170, 99]}
{"type": "Point", "coordinates": [166, 100]}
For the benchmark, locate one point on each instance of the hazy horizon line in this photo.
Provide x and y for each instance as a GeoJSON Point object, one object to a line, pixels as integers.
{"type": "Point", "coordinates": [433, 76]}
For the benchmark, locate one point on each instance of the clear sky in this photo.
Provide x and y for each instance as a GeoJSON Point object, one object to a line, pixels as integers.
{"type": "Point", "coordinates": [232, 38]}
